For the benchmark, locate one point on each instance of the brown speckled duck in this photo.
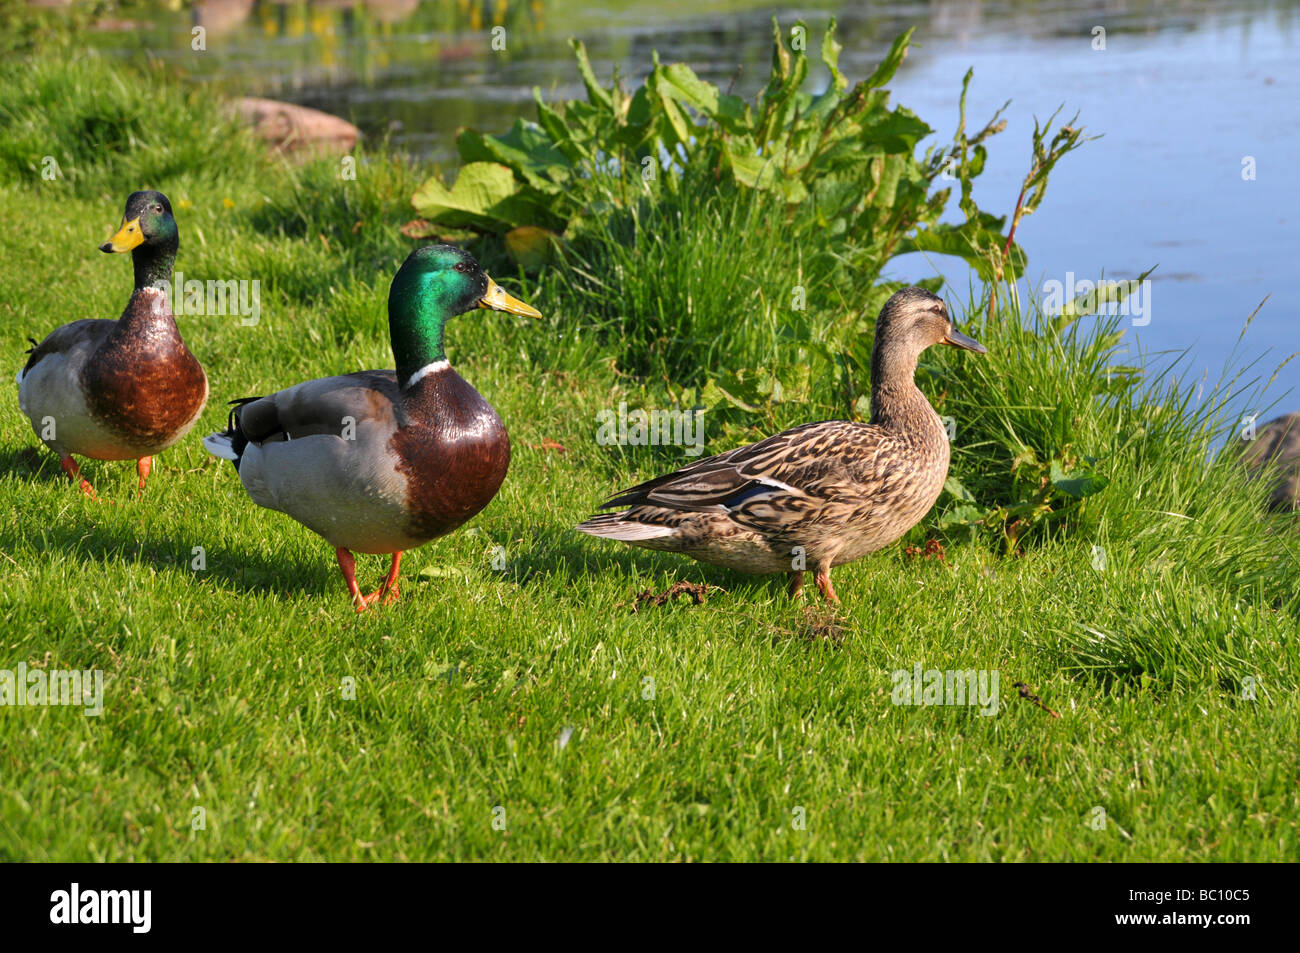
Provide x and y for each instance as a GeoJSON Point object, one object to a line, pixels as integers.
{"type": "Point", "coordinates": [819, 495]}
{"type": "Point", "coordinates": [124, 389]}
{"type": "Point", "coordinates": [383, 461]}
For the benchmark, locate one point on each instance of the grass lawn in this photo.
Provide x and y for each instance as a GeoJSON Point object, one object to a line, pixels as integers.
{"type": "Point", "coordinates": [535, 712]}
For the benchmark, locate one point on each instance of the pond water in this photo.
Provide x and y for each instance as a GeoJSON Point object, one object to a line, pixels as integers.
{"type": "Point", "coordinates": [1189, 97]}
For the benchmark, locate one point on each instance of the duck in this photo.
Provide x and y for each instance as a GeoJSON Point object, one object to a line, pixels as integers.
{"type": "Point", "coordinates": [382, 461]}
{"type": "Point", "coordinates": [818, 495]}
{"type": "Point", "coordinates": [123, 389]}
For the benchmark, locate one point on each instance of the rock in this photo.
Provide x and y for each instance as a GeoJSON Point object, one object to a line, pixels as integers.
{"type": "Point", "coordinates": [391, 11]}
{"type": "Point", "coordinates": [1278, 441]}
{"type": "Point", "coordinates": [291, 128]}
{"type": "Point", "coordinates": [221, 16]}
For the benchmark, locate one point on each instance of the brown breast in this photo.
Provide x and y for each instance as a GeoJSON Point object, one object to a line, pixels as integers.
{"type": "Point", "coordinates": [143, 382]}
{"type": "Point", "coordinates": [453, 451]}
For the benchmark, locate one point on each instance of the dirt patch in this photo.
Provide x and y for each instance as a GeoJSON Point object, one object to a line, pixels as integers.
{"type": "Point", "coordinates": [698, 592]}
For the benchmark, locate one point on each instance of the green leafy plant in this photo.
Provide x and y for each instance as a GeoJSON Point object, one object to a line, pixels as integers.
{"type": "Point", "coordinates": [842, 161]}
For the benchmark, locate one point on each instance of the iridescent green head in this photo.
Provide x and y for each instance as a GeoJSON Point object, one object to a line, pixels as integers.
{"type": "Point", "coordinates": [149, 233]}
{"type": "Point", "coordinates": [435, 283]}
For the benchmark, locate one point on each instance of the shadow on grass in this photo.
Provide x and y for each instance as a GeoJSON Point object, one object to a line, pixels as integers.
{"type": "Point", "coordinates": [31, 462]}
{"type": "Point", "coordinates": [563, 552]}
{"type": "Point", "coordinates": [808, 620]}
{"type": "Point", "coordinates": [90, 541]}
{"type": "Point", "coordinates": [245, 572]}
{"type": "Point", "coordinates": [559, 553]}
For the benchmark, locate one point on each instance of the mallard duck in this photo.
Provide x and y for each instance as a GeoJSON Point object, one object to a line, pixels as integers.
{"type": "Point", "coordinates": [382, 461]}
{"type": "Point", "coordinates": [819, 495]}
{"type": "Point", "coordinates": [124, 389]}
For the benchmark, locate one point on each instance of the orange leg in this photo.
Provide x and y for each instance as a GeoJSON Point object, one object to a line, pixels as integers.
{"type": "Point", "coordinates": [823, 580]}
{"type": "Point", "coordinates": [74, 474]}
{"type": "Point", "coordinates": [348, 565]}
{"type": "Point", "coordinates": [142, 467]}
{"type": "Point", "coordinates": [388, 591]}
{"type": "Point", "coordinates": [796, 585]}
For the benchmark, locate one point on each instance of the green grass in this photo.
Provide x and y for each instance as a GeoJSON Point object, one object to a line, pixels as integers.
{"type": "Point", "coordinates": [225, 687]}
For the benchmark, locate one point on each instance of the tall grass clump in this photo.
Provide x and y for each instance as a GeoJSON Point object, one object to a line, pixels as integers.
{"type": "Point", "coordinates": [100, 125]}
{"type": "Point", "coordinates": [1061, 446]}
{"type": "Point", "coordinates": [702, 281]}
{"type": "Point", "coordinates": [1055, 432]}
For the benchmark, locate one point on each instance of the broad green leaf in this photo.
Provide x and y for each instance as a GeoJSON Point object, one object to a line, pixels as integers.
{"type": "Point", "coordinates": [485, 195]}
{"type": "Point", "coordinates": [780, 56]}
{"type": "Point", "coordinates": [764, 173]}
{"type": "Point", "coordinates": [898, 131]}
{"type": "Point", "coordinates": [526, 149]}
{"type": "Point", "coordinates": [680, 82]}
{"type": "Point", "coordinates": [557, 127]}
{"type": "Point", "coordinates": [891, 170]}
{"type": "Point", "coordinates": [679, 128]}
{"type": "Point", "coordinates": [595, 92]}
{"type": "Point", "coordinates": [831, 57]}
{"type": "Point", "coordinates": [1078, 483]}
{"type": "Point", "coordinates": [955, 487]}
{"type": "Point", "coordinates": [892, 61]}
{"type": "Point", "coordinates": [962, 515]}
{"type": "Point", "coordinates": [975, 242]}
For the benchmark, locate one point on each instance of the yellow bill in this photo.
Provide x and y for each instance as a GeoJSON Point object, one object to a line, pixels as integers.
{"type": "Point", "coordinates": [127, 237]}
{"type": "Point", "coordinates": [498, 300]}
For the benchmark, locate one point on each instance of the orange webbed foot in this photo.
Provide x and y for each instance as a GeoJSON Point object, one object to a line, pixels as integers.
{"type": "Point", "coordinates": [387, 593]}
{"type": "Point", "coordinates": [823, 580]}
{"type": "Point", "coordinates": [142, 468]}
{"type": "Point", "coordinates": [73, 471]}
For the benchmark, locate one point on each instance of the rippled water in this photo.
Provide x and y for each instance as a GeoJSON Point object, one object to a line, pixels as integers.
{"type": "Point", "coordinates": [1182, 93]}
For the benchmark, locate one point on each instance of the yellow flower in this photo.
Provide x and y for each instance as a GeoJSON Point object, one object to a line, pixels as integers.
{"type": "Point", "coordinates": [227, 203]}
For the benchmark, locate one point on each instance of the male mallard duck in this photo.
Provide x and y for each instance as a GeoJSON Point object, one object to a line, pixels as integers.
{"type": "Point", "coordinates": [819, 495]}
{"type": "Point", "coordinates": [124, 389]}
{"type": "Point", "coordinates": [383, 461]}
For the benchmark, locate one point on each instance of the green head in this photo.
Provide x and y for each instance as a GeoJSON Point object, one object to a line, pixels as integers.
{"type": "Point", "coordinates": [149, 233]}
{"type": "Point", "coordinates": [435, 283]}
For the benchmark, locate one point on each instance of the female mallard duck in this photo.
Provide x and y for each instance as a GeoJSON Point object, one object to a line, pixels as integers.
{"type": "Point", "coordinates": [124, 389]}
{"type": "Point", "coordinates": [377, 461]}
{"type": "Point", "coordinates": [819, 495]}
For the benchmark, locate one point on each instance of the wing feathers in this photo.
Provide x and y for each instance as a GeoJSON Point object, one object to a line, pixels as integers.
{"type": "Point", "coordinates": [782, 465]}
{"type": "Point", "coordinates": [328, 405]}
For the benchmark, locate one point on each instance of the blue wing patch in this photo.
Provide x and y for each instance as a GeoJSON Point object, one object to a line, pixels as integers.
{"type": "Point", "coordinates": [749, 492]}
